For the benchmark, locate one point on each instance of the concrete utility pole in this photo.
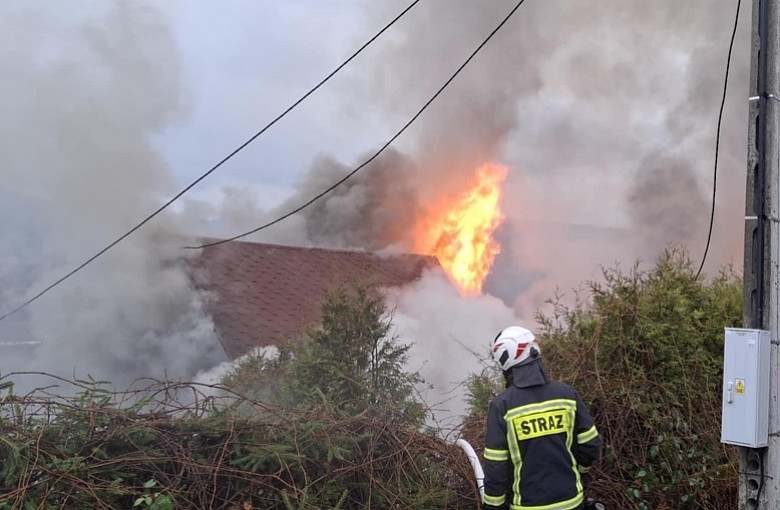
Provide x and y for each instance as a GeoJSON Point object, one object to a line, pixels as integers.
{"type": "Point", "coordinates": [759, 486]}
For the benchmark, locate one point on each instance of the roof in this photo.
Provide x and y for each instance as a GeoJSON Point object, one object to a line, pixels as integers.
{"type": "Point", "coordinates": [262, 294]}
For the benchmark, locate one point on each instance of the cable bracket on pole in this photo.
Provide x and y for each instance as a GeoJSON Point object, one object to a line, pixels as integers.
{"type": "Point", "coordinates": [768, 96]}
{"type": "Point", "coordinates": [763, 217]}
{"type": "Point", "coordinates": [753, 474]}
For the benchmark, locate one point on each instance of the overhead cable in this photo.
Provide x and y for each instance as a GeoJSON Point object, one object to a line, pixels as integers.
{"type": "Point", "coordinates": [717, 140]}
{"type": "Point", "coordinates": [213, 168]}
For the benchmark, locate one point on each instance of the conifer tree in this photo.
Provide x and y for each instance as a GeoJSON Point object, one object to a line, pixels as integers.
{"type": "Point", "coordinates": [352, 360]}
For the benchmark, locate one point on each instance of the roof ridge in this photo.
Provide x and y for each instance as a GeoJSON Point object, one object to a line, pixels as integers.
{"type": "Point", "coordinates": [320, 248]}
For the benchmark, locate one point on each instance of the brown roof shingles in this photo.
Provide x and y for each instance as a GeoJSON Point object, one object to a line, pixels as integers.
{"type": "Point", "coordinates": [261, 294]}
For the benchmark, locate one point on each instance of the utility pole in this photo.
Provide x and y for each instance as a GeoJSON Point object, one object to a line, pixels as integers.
{"type": "Point", "coordinates": [759, 478]}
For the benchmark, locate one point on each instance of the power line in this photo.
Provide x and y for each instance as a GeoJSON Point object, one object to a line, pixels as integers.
{"type": "Point", "coordinates": [377, 153]}
{"type": "Point", "coordinates": [212, 169]}
{"type": "Point", "coordinates": [717, 139]}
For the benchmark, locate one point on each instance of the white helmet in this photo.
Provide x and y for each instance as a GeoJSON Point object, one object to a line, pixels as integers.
{"type": "Point", "coordinates": [513, 346]}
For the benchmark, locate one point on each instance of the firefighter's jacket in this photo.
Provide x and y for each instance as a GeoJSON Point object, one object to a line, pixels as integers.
{"type": "Point", "coordinates": [540, 441]}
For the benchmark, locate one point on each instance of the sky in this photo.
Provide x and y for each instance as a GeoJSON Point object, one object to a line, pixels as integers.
{"type": "Point", "coordinates": [244, 63]}
{"type": "Point", "coordinates": [604, 112]}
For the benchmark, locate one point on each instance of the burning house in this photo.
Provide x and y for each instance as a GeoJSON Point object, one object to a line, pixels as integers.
{"type": "Point", "coordinates": [262, 294]}
{"type": "Point", "coordinates": [259, 294]}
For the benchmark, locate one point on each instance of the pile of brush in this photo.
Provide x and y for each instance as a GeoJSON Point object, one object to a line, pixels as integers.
{"type": "Point", "coordinates": [188, 446]}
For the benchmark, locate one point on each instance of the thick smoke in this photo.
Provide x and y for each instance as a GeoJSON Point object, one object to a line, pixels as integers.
{"type": "Point", "coordinates": [82, 96]}
{"type": "Point", "coordinates": [449, 336]}
{"type": "Point", "coordinates": [372, 211]}
{"type": "Point", "coordinates": [666, 196]}
{"type": "Point", "coordinates": [605, 113]}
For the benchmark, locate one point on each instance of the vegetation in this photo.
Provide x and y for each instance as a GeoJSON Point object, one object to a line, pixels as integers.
{"type": "Point", "coordinates": [337, 427]}
{"type": "Point", "coordinates": [644, 349]}
{"type": "Point", "coordinates": [352, 361]}
{"type": "Point", "coordinates": [332, 422]}
{"type": "Point", "coordinates": [90, 452]}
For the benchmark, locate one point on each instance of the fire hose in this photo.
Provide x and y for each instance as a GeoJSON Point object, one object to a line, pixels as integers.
{"type": "Point", "coordinates": [475, 465]}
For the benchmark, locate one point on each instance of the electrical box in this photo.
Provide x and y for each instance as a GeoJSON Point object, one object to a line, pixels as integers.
{"type": "Point", "coordinates": [745, 415]}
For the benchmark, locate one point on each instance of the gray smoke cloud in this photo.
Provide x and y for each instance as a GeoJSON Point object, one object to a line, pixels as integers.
{"type": "Point", "coordinates": [605, 113]}
{"type": "Point", "coordinates": [82, 96]}
{"type": "Point", "coordinates": [449, 337]}
{"type": "Point", "coordinates": [665, 198]}
{"type": "Point", "coordinates": [372, 211]}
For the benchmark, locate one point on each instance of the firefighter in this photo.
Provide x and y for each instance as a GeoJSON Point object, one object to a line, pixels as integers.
{"type": "Point", "coordinates": [541, 440]}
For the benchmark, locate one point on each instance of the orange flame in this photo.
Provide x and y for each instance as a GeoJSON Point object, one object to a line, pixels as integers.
{"type": "Point", "coordinates": [460, 234]}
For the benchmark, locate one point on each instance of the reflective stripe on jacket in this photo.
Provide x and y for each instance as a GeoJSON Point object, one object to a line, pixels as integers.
{"type": "Point", "coordinates": [540, 439]}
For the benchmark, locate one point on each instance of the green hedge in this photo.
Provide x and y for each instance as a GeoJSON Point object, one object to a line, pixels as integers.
{"type": "Point", "coordinates": [644, 348]}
